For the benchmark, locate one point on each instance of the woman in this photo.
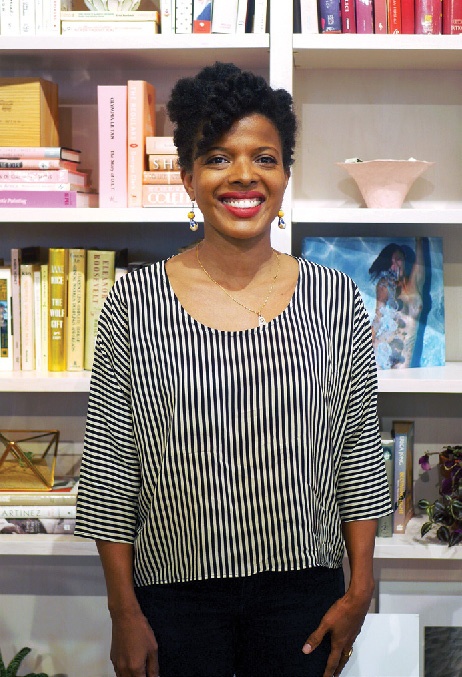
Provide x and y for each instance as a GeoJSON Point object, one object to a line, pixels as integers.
{"type": "Point", "coordinates": [400, 276]}
{"type": "Point", "coordinates": [232, 439]}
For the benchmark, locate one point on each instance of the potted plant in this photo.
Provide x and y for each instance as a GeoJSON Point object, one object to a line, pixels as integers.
{"type": "Point", "coordinates": [445, 514]}
{"type": "Point", "coordinates": [11, 670]}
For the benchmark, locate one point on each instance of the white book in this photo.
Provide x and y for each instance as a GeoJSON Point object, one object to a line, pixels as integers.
{"type": "Point", "coordinates": [241, 16]}
{"type": "Point", "coordinates": [183, 16]}
{"type": "Point", "coordinates": [38, 318]}
{"type": "Point", "coordinates": [6, 324]}
{"type": "Point", "coordinates": [51, 13]}
{"type": "Point", "coordinates": [27, 318]}
{"type": "Point", "coordinates": [259, 20]}
{"type": "Point", "coordinates": [109, 28]}
{"type": "Point", "coordinates": [224, 17]}
{"type": "Point", "coordinates": [82, 15]}
{"type": "Point", "coordinates": [29, 185]}
{"type": "Point", "coordinates": [44, 296]}
{"type": "Point", "coordinates": [38, 17]}
{"type": "Point", "coordinates": [27, 17]}
{"type": "Point", "coordinates": [309, 16]}
{"type": "Point", "coordinates": [166, 17]}
{"type": "Point", "coordinates": [9, 17]}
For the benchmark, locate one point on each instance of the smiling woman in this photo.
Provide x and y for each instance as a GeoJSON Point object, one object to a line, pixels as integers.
{"type": "Point", "coordinates": [232, 446]}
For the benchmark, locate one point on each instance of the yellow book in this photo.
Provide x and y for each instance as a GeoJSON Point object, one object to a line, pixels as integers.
{"type": "Point", "coordinates": [57, 292]}
{"type": "Point", "coordinates": [100, 278]}
{"type": "Point", "coordinates": [76, 309]}
{"type": "Point", "coordinates": [29, 112]}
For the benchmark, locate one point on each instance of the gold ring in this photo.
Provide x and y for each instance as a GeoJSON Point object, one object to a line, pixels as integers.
{"type": "Point", "coordinates": [347, 654]}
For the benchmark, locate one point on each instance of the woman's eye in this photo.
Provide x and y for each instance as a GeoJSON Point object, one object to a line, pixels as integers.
{"type": "Point", "coordinates": [216, 160]}
{"type": "Point", "coordinates": [267, 160]}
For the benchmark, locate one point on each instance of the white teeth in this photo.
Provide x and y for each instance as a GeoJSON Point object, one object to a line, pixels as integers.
{"type": "Point", "coordinates": [242, 204]}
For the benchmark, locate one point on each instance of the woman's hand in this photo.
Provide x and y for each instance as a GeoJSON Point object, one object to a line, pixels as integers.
{"type": "Point", "coordinates": [134, 647]}
{"type": "Point", "coordinates": [343, 622]}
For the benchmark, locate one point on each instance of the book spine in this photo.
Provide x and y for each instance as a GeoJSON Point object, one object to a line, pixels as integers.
{"type": "Point", "coordinates": [348, 12]}
{"type": "Point", "coordinates": [51, 12]}
{"type": "Point", "coordinates": [35, 499]}
{"type": "Point", "coordinates": [407, 17]}
{"type": "Point", "coordinates": [224, 16]}
{"type": "Point", "coordinates": [158, 145]}
{"type": "Point", "coordinates": [364, 16]}
{"type": "Point", "coordinates": [6, 334]}
{"type": "Point", "coordinates": [402, 479]}
{"type": "Point", "coordinates": [38, 152]}
{"type": "Point", "coordinates": [259, 22]}
{"type": "Point", "coordinates": [161, 177]}
{"type": "Point", "coordinates": [39, 17]}
{"type": "Point", "coordinates": [38, 318]}
{"type": "Point", "coordinates": [57, 286]}
{"type": "Point", "coordinates": [45, 309]}
{"type": "Point", "coordinates": [43, 176]}
{"type": "Point", "coordinates": [85, 15]}
{"type": "Point", "coordinates": [137, 28]}
{"type": "Point", "coordinates": [140, 124]}
{"type": "Point", "coordinates": [241, 16]}
{"type": "Point", "coordinates": [76, 310]}
{"type": "Point", "coordinates": [27, 17]}
{"type": "Point", "coordinates": [27, 318]}
{"type": "Point", "coordinates": [37, 511]}
{"type": "Point", "coordinates": [202, 16]}
{"type": "Point", "coordinates": [166, 24]}
{"type": "Point", "coordinates": [385, 524]}
{"type": "Point", "coordinates": [330, 16]}
{"type": "Point", "coordinates": [183, 16]}
{"type": "Point", "coordinates": [428, 19]}
{"type": "Point", "coordinates": [37, 198]}
{"type": "Point", "coordinates": [41, 187]}
{"type": "Point", "coordinates": [452, 17]}
{"type": "Point", "coordinates": [16, 306]}
{"type": "Point", "coordinates": [112, 145]}
{"type": "Point", "coordinates": [165, 196]}
{"type": "Point", "coordinates": [36, 163]}
{"type": "Point", "coordinates": [381, 16]}
{"type": "Point", "coordinates": [394, 16]}
{"type": "Point", "coordinates": [48, 525]}
{"type": "Point", "coordinates": [99, 280]}
{"type": "Point", "coordinates": [163, 163]}
{"type": "Point", "coordinates": [10, 17]}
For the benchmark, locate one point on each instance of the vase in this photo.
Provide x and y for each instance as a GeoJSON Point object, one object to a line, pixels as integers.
{"type": "Point", "coordinates": [385, 183]}
{"type": "Point", "coordinates": [112, 5]}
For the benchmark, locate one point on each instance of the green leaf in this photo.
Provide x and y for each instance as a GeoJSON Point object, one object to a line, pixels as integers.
{"type": "Point", "coordinates": [12, 669]}
{"type": "Point", "coordinates": [423, 504]}
{"type": "Point", "coordinates": [2, 666]}
{"type": "Point", "coordinates": [444, 534]}
{"type": "Point", "coordinates": [425, 529]}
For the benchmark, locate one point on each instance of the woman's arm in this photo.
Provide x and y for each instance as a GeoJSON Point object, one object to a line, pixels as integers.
{"type": "Point", "coordinates": [417, 276]}
{"type": "Point", "coordinates": [134, 646]}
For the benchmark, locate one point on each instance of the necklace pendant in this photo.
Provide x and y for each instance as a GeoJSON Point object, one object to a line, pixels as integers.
{"type": "Point", "coordinates": [262, 322]}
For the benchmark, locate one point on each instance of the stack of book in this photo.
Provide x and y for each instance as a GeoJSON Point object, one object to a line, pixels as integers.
{"type": "Point", "coordinates": [40, 512]}
{"type": "Point", "coordinates": [31, 17]}
{"type": "Point", "coordinates": [213, 16]}
{"type": "Point", "coordinates": [162, 184]}
{"type": "Point", "coordinates": [431, 17]}
{"type": "Point", "coordinates": [55, 296]}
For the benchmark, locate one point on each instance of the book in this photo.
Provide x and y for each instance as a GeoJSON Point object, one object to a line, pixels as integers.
{"type": "Point", "coordinates": [63, 492]}
{"type": "Point", "coordinates": [9, 17]}
{"type": "Point", "coordinates": [6, 330]}
{"type": "Point", "coordinates": [428, 17]}
{"type": "Point", "coordinates": [57, 299]}
{"type": "Point", "coordinates": [141, 123]}
{"type": "Point", "coordinates": [112, 145]}
{"type": "Point", "coordinates": [76, 309]}
{"type": "Point", "coordinates": [394, 16]}
{"type": "Point", "coordinates": [160, 145]}
{"type": "Point", "coordinates": [40, 152]}
{"type": "Point", "coordinates": [41, 187]}
{"type": "Point", "coordinates": [259, 19]}
{"type": "Point", "coordinates": [408, 326]}
{"type": "Point", "coordinates": [385, 524]}
{"type": "Point", "coordinates": [241, 16]}
{"type": "Point", "coordinates": [16, 258]}
{"type": "Point", "coordinates": [407, 17]}
{"type": "Point", "coordinates": [403, 435]}
{"type": "Point", "coordinates": [452, 17]}
{"type": "Point", "coordinates": [8, 512]}
{"type": "Point", "coordinates": [51, 10]}
{"type": "Point", "coordinates": [167, 26]}
{"type": "Point", "coordinates": [45, 310]}
{"type": "Point", "coordinates": [30, 116]}
{"type": "Point", "coordinates": [165, 196]}
{"type": "Point", "coordinates": [134, 15]}
{"type": "Point", "coordinates": [169, 177]}
{"type": "Point", "coordinates": [120, 28]}
{"type": "Point", "coordinates": [183, 16]}
{"type": "Point", "coordinates": [31, 525]}
{"type": "Point", "coordinates": [224, 16]}
{"type": "Point", "coordinates": [37, 163]}
{"type": "Point", "coordinates": [364, 16]}
{"type": "Point", "coordinates": [381, 16]}
{"type": "Point", "coordinates": [27, 317]}
{"type": "Point", "coordinates": [330, 17]}
{"type": "Point", "coordinates": [163, 163]}
{"type": "Point", "coordinates": [43, 176]}
{"type": "Point", "coordinates": [26, 17]}
{"type": "Point", "coordinates": [348, 12]}
{"type": "Point", "coordinates": [202, 16]}
{"type": "Point", "coordinates": [38, 318]}
{"type": "Point", "coordinates": [100, 275]}
{"type": "Point", "coordinates": [21, 199]}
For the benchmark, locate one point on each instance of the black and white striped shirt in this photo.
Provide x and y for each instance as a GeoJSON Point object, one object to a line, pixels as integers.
{"type": "Point", "coordinates": [226, 453]}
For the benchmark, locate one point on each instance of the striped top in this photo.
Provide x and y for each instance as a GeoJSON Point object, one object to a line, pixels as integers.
{"type": "Point", "coordinates": [226, 453]}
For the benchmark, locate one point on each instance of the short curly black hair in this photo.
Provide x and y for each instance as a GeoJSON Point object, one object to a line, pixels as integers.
{"type": "Point", "coordinates": [204, 107]}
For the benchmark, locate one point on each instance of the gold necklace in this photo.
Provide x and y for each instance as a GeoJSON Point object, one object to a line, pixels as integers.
{"type": "Point", "coordinates": [261, 320]}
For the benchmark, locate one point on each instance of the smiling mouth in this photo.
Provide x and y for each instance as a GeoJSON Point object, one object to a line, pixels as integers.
{"type": "Point", "coordinates": [243, 203]}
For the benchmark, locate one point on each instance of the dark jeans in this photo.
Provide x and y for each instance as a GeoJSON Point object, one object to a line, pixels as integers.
{"type": "Point", "coordinates": [249, 627]}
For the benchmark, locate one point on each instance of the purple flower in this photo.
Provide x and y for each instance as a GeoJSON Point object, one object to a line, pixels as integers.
{"type": "Point", "coordinates": [424, 462]}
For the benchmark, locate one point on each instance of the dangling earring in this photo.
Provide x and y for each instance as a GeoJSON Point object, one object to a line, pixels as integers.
{"type": "Point", "coordinates": [281, 222]}
{"type": "Point", "coordinates": [193, 225]}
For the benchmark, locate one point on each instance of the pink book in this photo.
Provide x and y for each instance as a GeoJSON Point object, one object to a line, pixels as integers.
{"type": "Point", "coordinates": [452, 17]}
{"type": "Point", "coordinates": [112, 145]}
{"type": "Point", "coordinates": [380, 16]}
{"type": "Point", "coordinates": [348, 16]}
{"type": "Point", "coordinates": [37, 163]}
{"type": "Point", "coordinates": [364, 16]}
{"type": "Point", "coordinates": [141, 123]}
{"type": "Point", "coordinates": [43, 176]}
{"type": "Point", "coordinates": [40, 152]}
{"type": "Point", "coordinates": [44, 198]}
{"type": "Point", "coordinates": [428, 19]}
{"type": "Point", "coordinates": [407, 17]}
{"type": "Point", "coordinates": [165, 196]}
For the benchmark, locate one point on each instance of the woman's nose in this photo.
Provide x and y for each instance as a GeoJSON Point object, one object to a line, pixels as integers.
{"type": "Point", "coordinates": [243, 171]}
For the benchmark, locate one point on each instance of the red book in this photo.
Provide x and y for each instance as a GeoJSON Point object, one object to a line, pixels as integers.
{"type": "Point", "coordinates": [380, 16]}
{"type": "Point", "coordinates": [112, 145]}
{"type": "Point", "coordinates": [452, 17]}
{"type": "Point", "coordinates": [407, 17]}
{"type": "Point", "coordinates": [364, 16]}
{"type": "Point", "coordinates": [59, 152]}
{"type": "Point", "coordinates": [348, 10]}
{"type": "Point", "coordinates": [394, 16]}
{"type": "Point", "coordinates": [45, 198]}
{"type": "Point", "coordinates": [428, 17]}
{"type": "Point", "coordinates": [141, 123]}
{"type": "Point", "coordinates": [202, 16]}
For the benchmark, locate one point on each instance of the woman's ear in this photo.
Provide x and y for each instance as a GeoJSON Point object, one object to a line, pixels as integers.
{"type": "Point", "coordinates": [187, 178]}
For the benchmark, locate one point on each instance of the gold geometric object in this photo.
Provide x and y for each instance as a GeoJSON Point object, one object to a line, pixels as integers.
{"type": "Point", "coordinates": [25, 464]}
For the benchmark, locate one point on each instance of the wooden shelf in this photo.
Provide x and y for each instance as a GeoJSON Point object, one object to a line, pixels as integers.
{"type": "Point", "coordinates": [412, 546]}
{"type": "Point", "coordinates": [353, 51]}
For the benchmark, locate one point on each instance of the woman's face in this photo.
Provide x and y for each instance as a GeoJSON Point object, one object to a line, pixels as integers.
{"type": "Point", "coordinates": [239, 183]}
{"type": "Point", "coordinates": [397, 264]}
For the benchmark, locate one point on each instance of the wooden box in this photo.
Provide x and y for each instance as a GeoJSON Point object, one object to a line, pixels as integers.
{"type": "Point", "coordinates": [28, 112]}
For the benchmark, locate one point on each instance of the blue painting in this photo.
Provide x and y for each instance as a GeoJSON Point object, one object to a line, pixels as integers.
{"type": "Point", "coordinates": [401, 283]}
